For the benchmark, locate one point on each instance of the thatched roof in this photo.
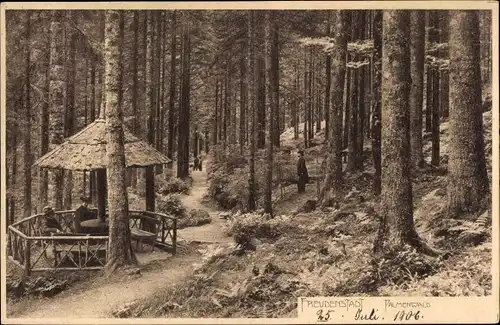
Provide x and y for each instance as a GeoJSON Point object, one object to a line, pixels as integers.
{"type": "Point", "coordinates": [86, 150]}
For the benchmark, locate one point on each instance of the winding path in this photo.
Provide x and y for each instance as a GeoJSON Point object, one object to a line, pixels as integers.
{"type": "Point", "coordinates": [209, 233]}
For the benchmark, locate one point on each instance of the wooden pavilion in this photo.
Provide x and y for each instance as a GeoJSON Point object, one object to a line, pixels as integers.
{"type": "Point", "coordinates": [86, 151]}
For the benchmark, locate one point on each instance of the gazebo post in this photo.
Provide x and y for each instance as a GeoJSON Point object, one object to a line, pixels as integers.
{"type": "Point", "coordinates": [150, 188]}
{"type": "Point", "coordinates": [101, 192]}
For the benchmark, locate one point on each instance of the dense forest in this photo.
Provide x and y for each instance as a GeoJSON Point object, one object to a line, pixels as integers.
{"type": "Point", "coordinates": [365, 93]}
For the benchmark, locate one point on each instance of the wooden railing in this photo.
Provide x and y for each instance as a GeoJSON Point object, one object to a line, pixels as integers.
{"type": "Point", "coordinates": [167, 234]}
{"type": "Point", "coordinates": [30, 250]}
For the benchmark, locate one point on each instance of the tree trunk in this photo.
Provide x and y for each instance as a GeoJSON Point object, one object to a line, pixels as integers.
{"type": "Point", "coordinates": [361, 99]}
{"type": "Point", "coordinates": [347, 109]}
{"type": "Point", "coordinates": [86, 113]}
{"type": "Point", "coordinates": [296, 105]}
{"type": "Point", "coordinates": [261, 87]}
{"type": "Point", "coordinates": [429, 74]}
{"type": "Point", "coordinates": [70, 66]}
{"type": "Point", "coordinates": [306, 102]}
{"type": "Point", "coordinates": [333, 174]}
{"type": "Point", "coordinates": [444, 92]}
{"type": "Point", "coordinates": [56, 100]}
{"type": "Point", "coordinates": [225, 107]}
{"type": "Point", "coordinates": [252, 95]}
{"type": "Point", "coordinates": [150, 106]}
{"type": "Point", "coordinates": [13, 180]}
{"type": "Point", "coordinates": [397, 227]}
{"type": "Point", "coordinates": [159, 84]}
{"type": "Point", "coordinates": [173, 86]}
{"type": "Point", "coordinates": [135, 89]}
{"type": "Point", "coordinates": [93, 99]}
{"type": "Point", "coordinates": [467, 176]}
{"type": "Point", "coordinates": [309, 108]}
{"type": "Point", "coordinates": [243, 99]}
{"type": "Point", "coordinates": [417, 88]}
{"type": "Point", "coordinates": [377, 85]}
{"type": "Point", "coordinates": [328, 73]}
{"type": "Point", "coordinates": [44, 131]}
{"type": "Point", "coordinates": [119, 249]}
{"type": "Point", "coordinates": [273, 103]}
{"type": "Point", "coordinates": [435, 93]}
{"type": "Point", "coordinates": [27, 131]}
{"type": "Point", "coordinates": [274, 82]}
{"type": "Point", "coordinates": [215, 130]}
{"type": "Point", "coordinates": [184, 113]}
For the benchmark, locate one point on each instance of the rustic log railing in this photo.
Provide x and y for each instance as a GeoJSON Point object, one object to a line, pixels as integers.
{"type": "Point", "coordinates": [30, 250]}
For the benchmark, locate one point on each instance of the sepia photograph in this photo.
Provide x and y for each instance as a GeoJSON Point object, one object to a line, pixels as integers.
{"type": "Point", "coordinates": [209, 162]}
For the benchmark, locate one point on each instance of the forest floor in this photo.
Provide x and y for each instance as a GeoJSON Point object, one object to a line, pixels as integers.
{"type": "Point", "coordinates": [98, 296]}
{"type": "Point", "coordinates": [330, 252]}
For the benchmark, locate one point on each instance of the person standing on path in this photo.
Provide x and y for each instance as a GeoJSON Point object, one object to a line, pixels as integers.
{"type": "Point", "coordinates": [302, 173]}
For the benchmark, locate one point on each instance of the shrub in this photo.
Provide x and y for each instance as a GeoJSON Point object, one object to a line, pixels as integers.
{"type": "Point", "coordinates": [174, 185]}
{"type": "Point", "coordinates": [171, 204]}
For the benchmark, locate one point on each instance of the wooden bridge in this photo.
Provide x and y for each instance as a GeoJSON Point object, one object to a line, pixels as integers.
{"type": "Point", "coordinates": [30, 250]}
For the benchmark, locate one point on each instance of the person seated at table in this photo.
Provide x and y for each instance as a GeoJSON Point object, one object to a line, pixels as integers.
{"type": "Point", "coordinates": [49, 223]}
{"type": "Point", "coordinates": [83, 213]}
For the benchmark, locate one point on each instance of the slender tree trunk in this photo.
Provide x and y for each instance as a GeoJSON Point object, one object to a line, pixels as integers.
{"type": "Point", "coordinates": [252, 95]}
{"type": "Point", "coordinates": [44, 130]}
{"type": "Point", "coordinates": [377, 85]}
{"type": "Point", "coordinates": [158, 68]}
{"type": "Point", "coordinates": [161, 140]}
{"type": "Point", "coordinates": [328, 72]}
{"type": "Point", "coordinates": [56, 100]}
{"type": "Point", "coordinates": [397, 227]}
{"type": "Point", "coordinates": [347, 110]}
{"type": "Point", "coordinates": [361, 99]}
{"type": "Point", "coordinates": [70, 104]}
{"type": "Point", "coordinates": [27, 159]}
{"type": "Point", "coordinates": [215, 136]}
{"type": "Point", "coordinates": [333, 175]}
{"type": "Point", "coordinates": [296, 105]}
{"type": "Point", "coordinates": [310, 96]}
{"type": "Point", "coordinates": [119, 249]}
{"type": "Point", "coordinates": [435, 94]}
{"type": "Point", "coordinates": [417, 88]}
{"type": "Point", "coordinates": [151, 69]}
{"type": "Point", "coordinates": [184, 113]}
{"type": "Point", "coordinates": [273, 103]}
{"type": "Point", "coordinates": [274, 82]}
{"type": "Point", "coordinates": [92, 174]}
{"type": "Point", "coordinates": [444, 92]}
{"type": "Point", "coordinates": [13, 180]}
{"type": "Point", "coordinates": [135, 89]}
{"type": "Point", "coordinates": [261, 88]}
{"type": "Point", "coordinates": [468, 185]}
{"type": "Point", "coordinates": [173, 86]}
{"type": "Point", "coordinates": [86, 114]}
{"type": "Point", "coordinates": [243, 99]}
{"type": "Point", "coordinates": [306, 102]}
{"type": "Point", "coordinates": [429, 75]}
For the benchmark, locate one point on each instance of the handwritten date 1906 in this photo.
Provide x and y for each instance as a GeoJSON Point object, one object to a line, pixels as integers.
{"type": "Point", "coordinates": [407, 315]}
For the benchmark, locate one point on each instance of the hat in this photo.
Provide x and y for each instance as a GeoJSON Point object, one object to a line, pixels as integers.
{"type": "Point", "coordinates": [85, 199]}
{"type": "Point", "coordinates": [301, 151]}
{"type": "Point", "coordinates": [47, 210]}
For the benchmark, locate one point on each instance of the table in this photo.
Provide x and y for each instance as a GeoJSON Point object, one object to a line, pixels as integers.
{"type": "Point", "coordinates": [94, 226]}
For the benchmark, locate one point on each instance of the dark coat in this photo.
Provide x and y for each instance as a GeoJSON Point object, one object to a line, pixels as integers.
{"type": "Point", "coordinates": [302, 170]}
{"type": "Point", "coordinates": [49, 222]}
